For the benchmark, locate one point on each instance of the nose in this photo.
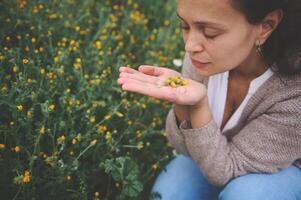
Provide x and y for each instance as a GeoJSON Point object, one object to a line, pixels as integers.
{"type": "Point", "coordinates": [193, 43]}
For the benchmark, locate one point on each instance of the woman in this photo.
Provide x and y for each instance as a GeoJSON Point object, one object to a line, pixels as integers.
{"type": "Point", "coordinates": [237, 122]}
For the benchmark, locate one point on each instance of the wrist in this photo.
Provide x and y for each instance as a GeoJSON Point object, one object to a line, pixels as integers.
{"type": "Point", "coordinates": [204, 102]}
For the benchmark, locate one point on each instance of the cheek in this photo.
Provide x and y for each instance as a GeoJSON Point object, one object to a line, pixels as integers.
{"type": "Point", "coordinates": [231, 51]}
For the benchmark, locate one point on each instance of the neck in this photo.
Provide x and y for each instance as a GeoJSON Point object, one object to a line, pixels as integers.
{"type": "Point", "coordinates": [251, 68]}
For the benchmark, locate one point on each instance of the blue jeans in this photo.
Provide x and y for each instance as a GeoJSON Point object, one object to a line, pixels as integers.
{"type": "Point", "coordinates": [183, 180]}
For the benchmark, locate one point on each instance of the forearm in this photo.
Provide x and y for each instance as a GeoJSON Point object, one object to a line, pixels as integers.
{"type": "Point", "coordinates": [200, 114]}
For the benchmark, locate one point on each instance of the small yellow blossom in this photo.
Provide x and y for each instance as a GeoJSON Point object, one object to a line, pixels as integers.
{"type": "Point", "coordinates": [140, 146]}
{"type": "Point", "coordinates": [93, 142]}
{"type": "Point", "coordinates": [108, 116]}
{"type": "Point", "coordinates": [96, 194]}
{"type": "Point", "coordinates": [56, 59]}
{"type": "Point", "coordinates": [51, 107]}
{"type": "Point", "coordinates": [92, 119]}
{"type": "Point", "coordinates": [26, 177]}
{"type": "Point", "coordinates": [42, 71]}
{"type": "Point", "coordinates": [25, 61]}
{"type": "Point", "coordinates": [61, 139]}
{"type": "Point", "coordinates": [42, 130]}
{"type": "Point", "coordinates": [15, 69]}
{"type": "Point", "coordinates": [2, 146]}
{"type": "Point", "coordinates": [68, 178]}
{"type": "Point", "coordinates": [155, 166]}
{"type": "Point", "coordinates": [98, 44]}
{"type": "Point", "coordinates": [33, 40]}
{"type": "Point", "coordinates": [20, 107]}
{"type": "Point", "coordinates": [108, 136]}
{"type": "Point", "coordinates": [77, 28]}
{"type": "Point", "coordinates": [138, 134]}
{"type": "Point", "coordinates": [101, 128]}
{"type": "Point", "coordinates": [119, 114]}
{"type": "Point", "coordinates": [17, 149]}
{"type": "Point", "coordinates": [74, 141]}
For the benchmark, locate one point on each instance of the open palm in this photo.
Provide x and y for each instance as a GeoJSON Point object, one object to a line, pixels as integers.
{"type": "Point", "coordinates": [149, 80]}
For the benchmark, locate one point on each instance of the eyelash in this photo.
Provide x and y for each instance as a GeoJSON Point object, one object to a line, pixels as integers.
{"type": "Point", "coordinates": [183, 27]}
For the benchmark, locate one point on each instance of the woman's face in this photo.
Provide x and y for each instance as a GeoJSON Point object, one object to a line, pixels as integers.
{"type": "Point", "coordinates": [216, 34]}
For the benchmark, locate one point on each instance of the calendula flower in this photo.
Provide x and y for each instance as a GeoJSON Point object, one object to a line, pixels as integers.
{"type": "Point", "coordinates": [42, 71]}
{"type": "Point", "coordinates": [15, 69]}
{"type": "Point", "coordinates": [42, 130]}
{"type": "Point", "coordinates": [26, 177]}
{"type": "Point", "coordinates": [20, 107]}
{"type": "Point", "coordinates": [17, 149]}
{"type": "Point", "coordinates": [51, 107]}
{"type": "Point", "coordinates": [93, 142]}
{"type": "Point", "coordinates": [101, 128]}
{"type": "Point", "coordinates": [119, 114]}
{"type": "Point", "coordinates": [108, 136]}
{"type": "Point", "coordinates": [61, 139]}
{"type": "Point", "coordinates": [92, 119]}
{"type": "Point", "coordinates": [96, 194]}
{"type": "Point", "coordinates": [74, 141]}
{"type": "Point", "coordinates": [154, 166]}
{"type": "Point", "coordinates": [25, 61]}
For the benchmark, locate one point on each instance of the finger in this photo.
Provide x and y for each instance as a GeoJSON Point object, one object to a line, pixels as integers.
{"type": "Point", "coordinates": [150, 70]}
{"type": "Point", "coordinates": [128, 70]}
{"type": "Point", "coordinates": [164, 93]}
{"type": "Point", "coordinates": [141, 77]}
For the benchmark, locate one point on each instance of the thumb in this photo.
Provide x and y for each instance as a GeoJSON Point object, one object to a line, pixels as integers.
{"type": "Point", "coordinates": [150, 70]}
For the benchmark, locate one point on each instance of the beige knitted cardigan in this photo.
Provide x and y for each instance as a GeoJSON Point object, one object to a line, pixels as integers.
{"type": "Point", "coordinates": [266, 139]}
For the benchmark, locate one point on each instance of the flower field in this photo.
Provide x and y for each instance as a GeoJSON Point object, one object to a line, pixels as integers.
{"type": "Point", "coordinates": [67, 131]}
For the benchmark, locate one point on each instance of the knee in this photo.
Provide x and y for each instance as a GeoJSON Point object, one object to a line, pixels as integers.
{"type": "Point", "coordinates": [182, 179]}
{"type": "Point", "coordinates": [246, 187]}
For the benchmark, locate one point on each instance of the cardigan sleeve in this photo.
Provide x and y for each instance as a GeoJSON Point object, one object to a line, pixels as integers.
{"type": "Point", "coordinates": [265, 144]}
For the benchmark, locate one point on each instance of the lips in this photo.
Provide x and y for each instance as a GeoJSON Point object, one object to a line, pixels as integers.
{"type": "Point", "coordinates": [198, 64]}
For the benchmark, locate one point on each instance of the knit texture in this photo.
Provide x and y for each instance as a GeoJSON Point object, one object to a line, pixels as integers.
{"type": "Point", "coordinates": [266, 139]}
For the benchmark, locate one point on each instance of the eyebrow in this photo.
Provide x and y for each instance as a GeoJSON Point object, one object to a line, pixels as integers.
{"type": "Point", "coordinates": [202, 23]}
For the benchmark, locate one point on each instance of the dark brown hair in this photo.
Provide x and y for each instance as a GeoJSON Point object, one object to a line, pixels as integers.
{"type": "Point", "coordinates": [284, 44]}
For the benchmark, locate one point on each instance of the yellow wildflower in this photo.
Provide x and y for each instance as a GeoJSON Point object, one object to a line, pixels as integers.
{"type": "Point", "coordinates": [108, 136]}
{"type": "Point", "coordinates": [74, 141]}
{"type": "Point", "coordinates": [92, 119]}
{"type": "Point", "coordinates": [93, 142]}
{"type": "Point", "coordinates": [2, 146]}
{"type": "Point", "coordinates": [15, 69]}
{"type": "Point", "coordinates": [20, 107]}
{"type": "Point", "coordinates": [25, 61]}
{"type": "Point", "coordinates": [119, 114]}
{"type": "Point", "coordinates": [101, 128]}
{"type": "Point", "coordinates": [51, 107]}
{"type": "Point", "coordinates": [96, 194]}
{"type": "Point", "coordinates": [61, 139]}
{"type": "Point", "coordinates": [42, 130]}
{"type": "Point", "coordinates": [26, 177]}
{"type": "Point", "coordinates": [17, 149]}
{"type": "Point", "coordinates": [42, 71]}
{"type": "Point", "coordinates": [154, 166]}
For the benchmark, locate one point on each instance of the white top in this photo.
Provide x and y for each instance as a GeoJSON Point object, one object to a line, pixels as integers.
{"type": "Point", "coordinates": [217, 95]}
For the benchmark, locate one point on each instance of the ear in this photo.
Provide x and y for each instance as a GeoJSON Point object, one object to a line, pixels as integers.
{"type": "Point", "coordinates": [268, 25]}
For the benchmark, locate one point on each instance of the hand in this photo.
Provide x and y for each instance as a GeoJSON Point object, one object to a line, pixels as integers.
{"type": "Point", "coordinates": [149, 80]}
